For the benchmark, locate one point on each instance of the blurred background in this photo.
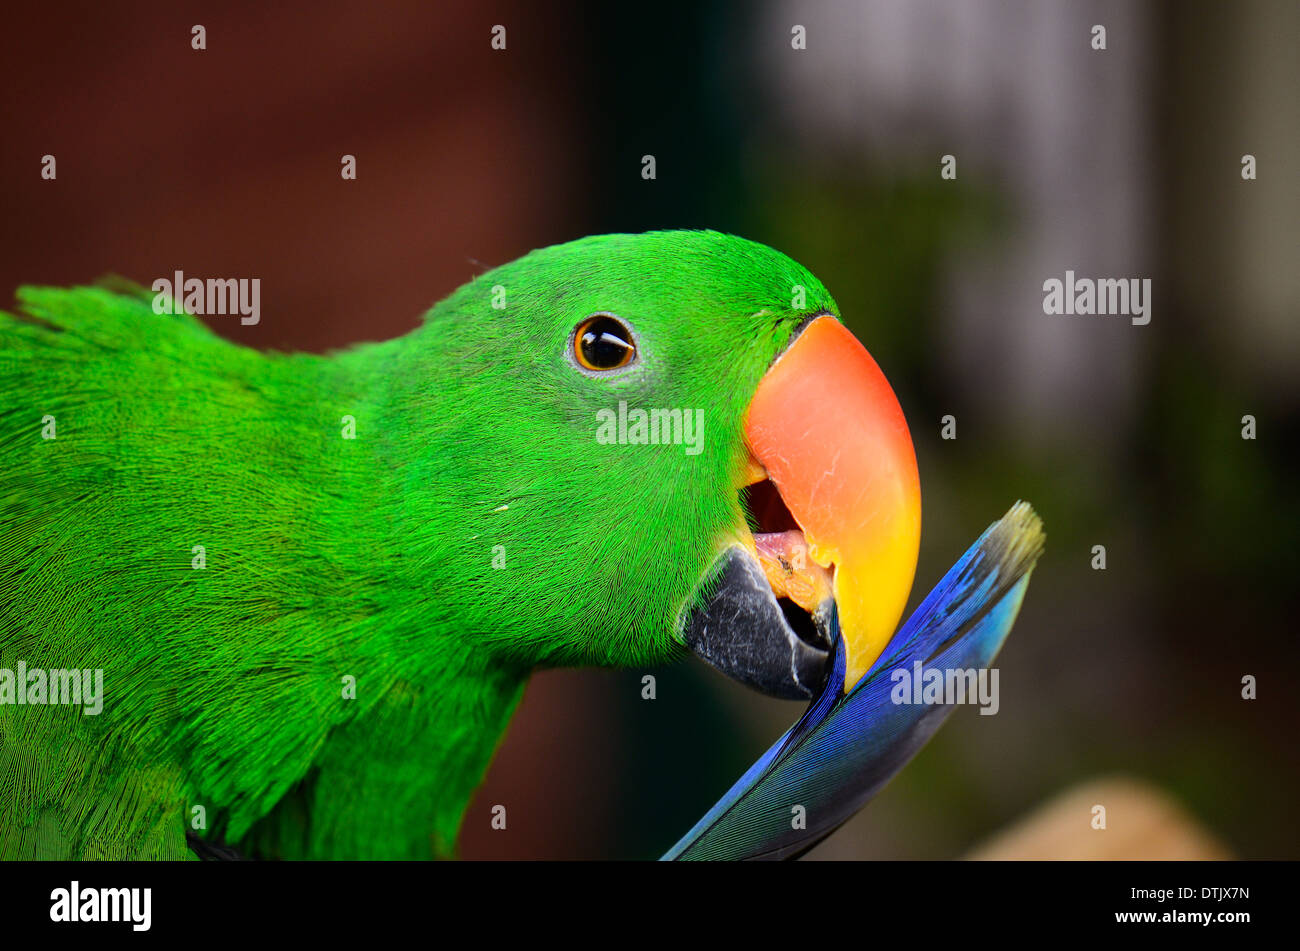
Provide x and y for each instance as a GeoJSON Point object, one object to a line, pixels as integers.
{"type": "Point", "coordinates": [1122, 162]}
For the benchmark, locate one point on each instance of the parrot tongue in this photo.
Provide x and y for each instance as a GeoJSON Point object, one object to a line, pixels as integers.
{"type": "Point", "coordinates": [835, 493]}
{"type": "Point", "coordinates": [790, 572]}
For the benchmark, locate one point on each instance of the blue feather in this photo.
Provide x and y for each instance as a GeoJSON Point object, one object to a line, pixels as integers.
{"type": "Point", "coordinates": [845, 748]}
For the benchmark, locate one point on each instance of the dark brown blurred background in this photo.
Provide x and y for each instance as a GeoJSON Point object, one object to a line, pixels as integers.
{"type": "Point", "coordinates": [1121, 163]}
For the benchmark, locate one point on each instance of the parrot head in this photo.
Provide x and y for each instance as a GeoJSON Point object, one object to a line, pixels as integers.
{"type": "Point", "coordinates": [672, 442]}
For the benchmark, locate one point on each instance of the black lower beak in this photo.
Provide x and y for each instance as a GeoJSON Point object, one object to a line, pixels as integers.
{"type": "Point", "coordinates": [743, 631]}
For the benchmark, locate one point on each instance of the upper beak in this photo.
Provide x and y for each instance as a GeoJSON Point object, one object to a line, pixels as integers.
{"type": "Point", "coordinates": [825, 428]}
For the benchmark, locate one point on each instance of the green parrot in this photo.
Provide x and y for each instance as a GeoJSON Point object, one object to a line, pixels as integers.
{"type": "Point", "coordinates": [305, 592]}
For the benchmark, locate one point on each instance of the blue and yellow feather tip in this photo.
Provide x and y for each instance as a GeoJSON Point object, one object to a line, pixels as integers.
{"type": "Point", "coordinates": [846, 747]}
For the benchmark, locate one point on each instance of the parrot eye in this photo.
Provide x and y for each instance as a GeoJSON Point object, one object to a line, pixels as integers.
{"type": "Point", "coordinates": [603, 342]}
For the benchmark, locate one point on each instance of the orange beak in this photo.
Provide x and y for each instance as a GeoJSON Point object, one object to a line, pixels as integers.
{"type": "Point", "coordinates": [827, 429]}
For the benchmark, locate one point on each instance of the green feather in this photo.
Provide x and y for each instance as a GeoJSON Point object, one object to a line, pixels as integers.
{"type": "Point", "coordinates": [472, 531]}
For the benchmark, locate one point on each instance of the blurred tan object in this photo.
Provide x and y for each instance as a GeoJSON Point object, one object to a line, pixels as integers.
{"type": "Point", "coordinates": [1141, 822]}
